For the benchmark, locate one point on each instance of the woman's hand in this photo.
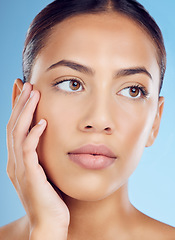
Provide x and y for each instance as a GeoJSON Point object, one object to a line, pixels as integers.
{"type": "Point", "coordinates": [48, 215]}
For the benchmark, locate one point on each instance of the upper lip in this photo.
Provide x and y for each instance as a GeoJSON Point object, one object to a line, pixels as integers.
{"type": "Point", "coordinates": [94, 150]}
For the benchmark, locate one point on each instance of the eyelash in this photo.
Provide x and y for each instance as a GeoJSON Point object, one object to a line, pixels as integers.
{"type": "Point", "coordinates": [142, 90]}
{"type": "Point", "coordinates": [55, 84]}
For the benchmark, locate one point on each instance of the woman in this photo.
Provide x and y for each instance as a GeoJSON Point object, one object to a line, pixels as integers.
{"type": "Point", "coordinates": [87, 107]}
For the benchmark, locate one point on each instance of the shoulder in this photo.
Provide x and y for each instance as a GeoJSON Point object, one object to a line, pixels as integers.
{"type": "Point", "coordinates": [18, 229]}
{"type": "Point", "coordinates": [154, 229]}
{"type": "Point", "coordinates": [161, 230]}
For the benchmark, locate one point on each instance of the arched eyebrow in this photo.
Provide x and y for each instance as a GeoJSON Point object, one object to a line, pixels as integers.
{"type": "Point", "coordinates": [132, 71]}
{"type": "Point", "coordinates": [74, 66]}
{"type": "Point", "coordinates": [87, 70]}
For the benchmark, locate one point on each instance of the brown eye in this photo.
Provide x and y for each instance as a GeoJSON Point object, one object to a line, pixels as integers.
{"type": "Point", "coordinates": [69, 85]}
{"type": "Point", "coordinates": [134, 91]}
{"type": "Point", "coordinates": [74, 85]}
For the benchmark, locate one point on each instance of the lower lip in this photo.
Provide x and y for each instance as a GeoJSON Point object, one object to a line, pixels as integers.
{"type": "Point", "coordinates": [90, 161]}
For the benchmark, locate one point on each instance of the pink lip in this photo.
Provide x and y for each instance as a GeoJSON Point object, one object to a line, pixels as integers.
{"type": "Point", "coordinates": [93, 156]}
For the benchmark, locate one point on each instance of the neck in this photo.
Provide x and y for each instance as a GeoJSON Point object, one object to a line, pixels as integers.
{"type": "Point", "coordinates": [110, 214]}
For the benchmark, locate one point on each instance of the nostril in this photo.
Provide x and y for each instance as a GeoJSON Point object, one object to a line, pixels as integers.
{"type": "Point", "coordinates": [107, 129]}
{"type": "Point", "coordinates": [88, 127]}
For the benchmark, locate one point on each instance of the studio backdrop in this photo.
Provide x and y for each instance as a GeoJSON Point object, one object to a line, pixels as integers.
{"type": "Point", "coordinates": [152, 186]}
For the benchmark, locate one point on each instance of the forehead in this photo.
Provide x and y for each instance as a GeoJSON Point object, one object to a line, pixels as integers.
{"type": "Point", "coordinates": [100, 38]}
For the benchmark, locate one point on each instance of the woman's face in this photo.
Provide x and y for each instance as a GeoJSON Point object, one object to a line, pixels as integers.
{"type": "Point", "coordinates": [99, 80]}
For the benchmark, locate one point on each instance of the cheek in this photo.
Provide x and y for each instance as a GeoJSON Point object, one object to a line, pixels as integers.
{"type": "Point", "coordinates": [58, 113]}
{"type": "Point", "coordinates": [132, 132]}
{"type": "Point", "coordinates": [61, 121]}
{"type": "Point", "coordinates": [134, 125]}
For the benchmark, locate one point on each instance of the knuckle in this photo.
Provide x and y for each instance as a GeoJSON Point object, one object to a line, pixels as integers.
{"type": "Point", "coordinates": [14, 132]}
{"type": "Point", "coordinates": [26, 148]}
{"type": "Point", "coordinates": [12, 178]}
{"type": "Point", "coordinates": [10, 175]}
{"type": "Point", "coordinates": [10, 172]}
{"type": "Point", "coordinates": [9, 130]}
{"type": "Point", "coordinates": [8, 127]}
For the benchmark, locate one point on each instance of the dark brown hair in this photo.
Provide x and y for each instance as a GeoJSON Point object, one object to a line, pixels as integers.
{"type": "Point", "coordinates": [59, 10]}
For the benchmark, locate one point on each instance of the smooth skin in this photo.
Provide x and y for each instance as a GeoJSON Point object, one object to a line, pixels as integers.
{"type": "Point", "coordinates": [101, 108]}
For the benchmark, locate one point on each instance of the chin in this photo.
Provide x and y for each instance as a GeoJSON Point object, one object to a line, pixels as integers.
{"type": "Point", "coordinates": [86, 196]}
{"type": "Point", "coordinates": [89, 191]}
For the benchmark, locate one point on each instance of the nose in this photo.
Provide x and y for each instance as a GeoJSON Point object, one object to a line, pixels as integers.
{"type": "Point", "coordinates": [97, 117]}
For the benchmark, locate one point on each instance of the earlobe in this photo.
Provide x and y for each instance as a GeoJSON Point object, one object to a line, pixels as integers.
{"type": "Point", "coordinates": [156, 124]}
{"type": "Point", "coordinates": [17, 88]}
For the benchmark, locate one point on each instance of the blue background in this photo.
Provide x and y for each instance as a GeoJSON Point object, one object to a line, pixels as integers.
{"type": "Point", "coordinates": [151, 187]}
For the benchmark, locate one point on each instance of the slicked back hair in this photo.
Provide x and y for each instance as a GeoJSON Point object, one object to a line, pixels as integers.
{"type": "Point", "coordinates": [59, 10]}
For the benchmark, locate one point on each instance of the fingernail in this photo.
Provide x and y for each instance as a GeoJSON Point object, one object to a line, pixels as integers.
{"type": "Point", "coordinates": [31, 94]}
{"type": "Point", "coordinates": [41, 122]}
{"type": "Point", "coordinates": [24, 87]}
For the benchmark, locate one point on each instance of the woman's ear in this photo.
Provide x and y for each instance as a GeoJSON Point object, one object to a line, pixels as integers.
{"type": "Point", "coordinates": [156, 124]}
{"type": "Point", "coordinates": [17, 89]}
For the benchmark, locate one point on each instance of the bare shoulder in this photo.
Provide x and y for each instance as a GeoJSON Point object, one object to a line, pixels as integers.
{"type": "Point", "coordinates": [17, 230]}
{"type": "Point", "coordinates": [154, 229]}
{"type": "Point", "coordinates": [162, 230]}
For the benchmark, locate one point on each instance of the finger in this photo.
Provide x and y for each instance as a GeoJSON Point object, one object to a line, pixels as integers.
{"type": "Point", "coordinates": [22, 99]}
{"type": "Point", "coordinates": [20, 131]}
{"type": "Point", "coordinates": [31, 142]}
{"type": "Point", "coordinates": [29, 154]}
{"type": "Point", "coordinates": [15, 113]}
{"type": "Point", "coordinates": [24, 121]}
